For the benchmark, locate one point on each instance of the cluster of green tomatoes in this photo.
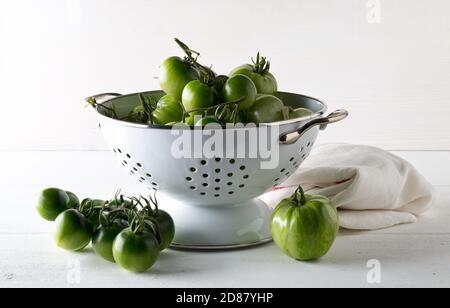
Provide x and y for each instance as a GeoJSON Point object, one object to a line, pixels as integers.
{"type": "Point", "coordinates": [128, 231]}
{"type": "Point", "coordinates": [196, 95]}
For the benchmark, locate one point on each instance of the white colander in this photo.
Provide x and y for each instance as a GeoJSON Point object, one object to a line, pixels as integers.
{"type": "Point", "coordinates": [212, 196]}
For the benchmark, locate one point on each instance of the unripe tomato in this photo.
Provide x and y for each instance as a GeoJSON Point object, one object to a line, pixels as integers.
{"type": "Point", "coordinates": [197, 95]}
{"type": "Point", "coordinates": [174, 75]}
{"type": "Point", "coordinates": [135, 252]}
{"type": "Point", "coordinates": [52, 202]}
{"type": "Point", "coordinates": [237, 87]}
{"type": "Point", "coordinates": [265, 82]}
{"type": "Point", "coordinates": [168, 110]}
{"type": "Point", "coordinates": [73, 231]}
{"type": "Point", "coordinates": [267, 109]}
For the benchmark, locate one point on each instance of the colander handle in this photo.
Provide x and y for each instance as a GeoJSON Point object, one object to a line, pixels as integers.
{"type": "Point", "coordinates": [293, 137]}
{"type": "Point", "coordinates": [102, 97]}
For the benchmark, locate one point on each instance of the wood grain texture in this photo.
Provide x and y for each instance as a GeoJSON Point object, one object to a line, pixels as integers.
{"type": "Point", "coordinates": [392, 76]}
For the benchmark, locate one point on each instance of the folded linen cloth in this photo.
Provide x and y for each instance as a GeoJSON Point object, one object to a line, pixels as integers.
{"type": "Point", "coordinates": [372, 189]}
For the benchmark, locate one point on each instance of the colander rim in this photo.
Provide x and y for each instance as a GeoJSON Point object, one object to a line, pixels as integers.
{"type": "Point", "coordinates": [318, 114]}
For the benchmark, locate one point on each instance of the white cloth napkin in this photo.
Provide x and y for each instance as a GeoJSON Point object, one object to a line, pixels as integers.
{"type": "Point", "coordinates": [372, 189]}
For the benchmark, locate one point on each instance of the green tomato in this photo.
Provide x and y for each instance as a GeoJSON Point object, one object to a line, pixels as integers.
{"type": "Point", "coordinates": [135, 252]}
{"type": "Point", "coordinates": [103, 239]}
{"type": "Point", "coordinates": [305, 226]}
{"type": "Point", "coordinates": [197, 95]}
{"type": "Point", "coordinates": [300, 113]}
{"type": "Point", "coordinates": [207, 120]}
{"type": "Point", "coordinates": [217, 87]}
{"type": "Point", "coordinates": [265, 82]}
{"type": "Point", "coordinates": [166, 228]}
{"type": "Point", "coordinates": [73, 200]}
{"type": "Point", "coordinates": [190, 120]}
{"type": "Point", "coordinates": [174, 75]}
{"type": "Point", "coordinates": [73, 231]}
{"type": "Point", "coordinates": [52, 202]}
{"type": "Point", "coordinates": [237, 87]}
{"type": "Point", "coordinates": [267, 109]}
{"type": "Point", "coordinates": [168, 110]}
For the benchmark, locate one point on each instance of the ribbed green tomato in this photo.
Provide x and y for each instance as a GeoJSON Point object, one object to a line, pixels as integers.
{"type": "Point", "coordinates": [240, 86]}
{"type": "Point", "coordinates": [73, 231]}
{"type": "Point", "coordinates": [174, 75]}
{"type": "Point", "coordinates": [168, 110]}
{"type": "Point", "coordinates": [103, 239]}
{"type": "Point", "coordinates": [267, 109]}
{"type": "Point", "coordinates": [197, 95]}
{"type": "Point", "coordinates": [305, 226]}
{"type": "Point", "coordinates": [265, 82]}
{"type": "Point", "coordinates": [300, 113]}
{"type": "Point", "coordinates": [52, 202]}
{"type": "Point", "coordinates": [135, 252]}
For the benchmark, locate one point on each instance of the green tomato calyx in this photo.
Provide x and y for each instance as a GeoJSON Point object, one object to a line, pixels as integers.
{"type": "Point", "coordinates": [299, 197]}
{"type": "Point", "coordinates": [261, 65]}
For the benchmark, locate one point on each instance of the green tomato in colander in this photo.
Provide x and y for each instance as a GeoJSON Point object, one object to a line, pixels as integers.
{"type": "Point", "coordinates": [300, 113]}
{"type": "Point", "coordinates": [168, 110]}
{"type": "Point", "coordinates": [304, 226]}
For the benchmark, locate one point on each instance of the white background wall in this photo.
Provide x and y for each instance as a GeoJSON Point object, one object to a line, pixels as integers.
{"type": "Point", "coordinates": [393, 76]}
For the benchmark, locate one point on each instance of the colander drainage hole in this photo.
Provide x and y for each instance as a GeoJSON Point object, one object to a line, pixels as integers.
{"type": "Point", "coordinates": [193, 188]}
{"type": "Point", "coordinates": [203, 162]}
{"type": "Point", "coordinates": [232, 161]}
{"type": "Point", "coordinates": [193, 170]}
{"type": "Point", "coordinates": [119, 150]}
{"type": "Point", "coordinates": [203, 194]}
{"type": "Point", "coordinates": [189, 179]}
{"type": "Point", "coordinates": [242, 168]}
{"type": "Point", "coordinates": [114, 150]}
{"type": "Point", "coordinates": [288, 174]}
{"type": "Point", "coordinates": [277, 180]}
{"type": "Point", "coordinates": [218, 180]}
{"type": "Point", "coordinates": [241, 186]}
{"type": "Point", "coordinates": [309, 144]}
{"type": "Point", "coordinates": [139, 165]}
{"type": "Point", "coordinates": [246, 177]}
{"type": "Point", "coordinates": [148, 175]}
{"type": "Point", "coordinates": [129, 156]}
{"type": "Point", "coordinates": [218, 171]}
{"type": "Point", "coordinates": [205, 184]}
{"type": "Point", "coordinates": [206, 175]}
{"type": "Point", "coordinates": [155, 184]}
{"type": "Point", "coordinates": [230, 175]}
{"type": "Point", "coordinates": [231, 193]}
{"type": "Point", "coordinates": [217, 188]}
{"type": "Point", "coordinates": [282, 170]}
{"type": "Point", "coordinates": [230, 184]}
{"type": "Point", "coordinates": [292, 159]}
{"type": "Point", "coordinates": [217, 195]}
{"type": "Point", "coordinates": [135, 169]}
{"type": "Point", "coordinates": [142, 179]}
{"type": "Point", "coordinates": [304, 156]}
{"type": "Point", "coordinates": [218, 160]}
{"type": "Point", "coordinates": [125, 162]}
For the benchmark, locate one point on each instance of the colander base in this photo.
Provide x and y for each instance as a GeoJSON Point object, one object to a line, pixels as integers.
{"type": "Point", "coordinates": [219, 227]}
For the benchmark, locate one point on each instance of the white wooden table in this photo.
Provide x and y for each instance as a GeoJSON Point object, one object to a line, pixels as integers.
{"type": "Point", "coordinates": [409, 255]}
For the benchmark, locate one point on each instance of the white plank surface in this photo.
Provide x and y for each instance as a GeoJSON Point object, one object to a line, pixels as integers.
{"type": "Point", "coordinates": [410, 255]}
{"type": "Point", "coordinates": [393, 76]}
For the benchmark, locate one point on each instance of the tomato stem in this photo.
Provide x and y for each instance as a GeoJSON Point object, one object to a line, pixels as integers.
{"type": "Point", "coordinates": [207, 75]}
{"type": "Point", "coordinates": [300, 196]}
